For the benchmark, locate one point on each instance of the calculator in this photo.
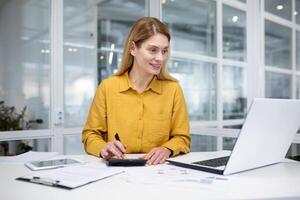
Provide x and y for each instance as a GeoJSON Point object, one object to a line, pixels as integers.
{"type": "Point", "coordinates": [126, 162]}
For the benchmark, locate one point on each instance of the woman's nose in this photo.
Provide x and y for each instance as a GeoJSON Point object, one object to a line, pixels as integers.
{"type": "Point", "coordinates": [159, 56]}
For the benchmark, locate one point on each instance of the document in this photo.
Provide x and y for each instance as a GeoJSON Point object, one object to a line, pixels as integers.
{"type": "Point", "coordinates": [72, 176]}
{"type": "Point", "coordinates": [170, 175]}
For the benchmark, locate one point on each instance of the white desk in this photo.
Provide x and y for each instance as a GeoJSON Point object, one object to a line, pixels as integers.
{"type": "Point", "coordinates": [279, 181]}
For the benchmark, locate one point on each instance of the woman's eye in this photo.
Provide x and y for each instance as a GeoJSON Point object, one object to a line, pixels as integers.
{"type": "Point", "coordinates": [165, 51]}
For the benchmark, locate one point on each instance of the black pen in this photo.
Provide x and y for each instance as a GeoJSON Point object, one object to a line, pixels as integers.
{"type": "Point", "coordinates": [118, 139]}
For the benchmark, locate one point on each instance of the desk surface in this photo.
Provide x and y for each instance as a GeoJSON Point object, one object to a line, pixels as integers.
{"type": "Point", "coordinates": [278, 181]}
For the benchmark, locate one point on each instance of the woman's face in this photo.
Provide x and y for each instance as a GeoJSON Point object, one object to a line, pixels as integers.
{"type": "Point", "coordinates": [152, 55]}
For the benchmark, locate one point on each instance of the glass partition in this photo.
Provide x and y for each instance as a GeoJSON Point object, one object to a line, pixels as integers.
{"type": "Point", "coordinates": [278, 45]}
{"type": "Point", "coordinates": [16, 147]}
{"type": "Point", "coordinates": [233, 92]}
{"type": "Point", "coordinates": [114, 20]}
{"type": "Point", "coordinates": [193, 26]}
{"type": "Point", "coordinates": [199, 86]}
{"type": "Point", "coordinates": [298, 87]}
{"type": "Point", "coordinates": [234, 34]}
{"type": "Point", "coordinates": [94, 33]}
{"type": "Point", "coordinates": [279, 8]}
{"type": "Point", "coordinates": [228, 143]}
{"type": "Point", "coordinates": [80, 62]}
{"type": "Point", "coordinates": [278, 85]}
{"type": "Point", "coordinates": [203, 143]}
{"type": "Point", "coordinates": [24, 64]}
{"type": "Point", "coordinates": [73, 145]}
{"type": "Point", "coordinates": [297, 11]}
{"type": "Point", "coordinates": [298, 50]}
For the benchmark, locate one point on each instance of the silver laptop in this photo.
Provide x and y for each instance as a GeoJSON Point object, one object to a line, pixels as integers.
{"type": "Point", "coordinates": [266, 135]}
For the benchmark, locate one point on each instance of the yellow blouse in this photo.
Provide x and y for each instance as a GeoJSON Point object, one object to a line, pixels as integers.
{"type": "Point", "coordinates": [157, 117]}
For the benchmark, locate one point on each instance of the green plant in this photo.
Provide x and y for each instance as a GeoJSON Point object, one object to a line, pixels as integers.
{"type": "Point", "coordinates": [10, 119]}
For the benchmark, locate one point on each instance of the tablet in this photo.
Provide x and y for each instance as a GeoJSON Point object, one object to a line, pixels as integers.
{"type": "Point", "coordinates": [126, 162]}
{"type": "Point", "coordinates": [50, 164]}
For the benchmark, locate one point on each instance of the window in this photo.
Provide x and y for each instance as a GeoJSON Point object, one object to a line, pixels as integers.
{"type": "Point", "coordinates": [16, 147]}
{"type": "Point", "coordinates": [298, 88]}
{"type": "Point", "coordinates": [80, 63]}
{"type": "Point", "coordinates": [199, 85]}
{"type": "Point", "coordinates": [193, 30]}
{"type": "Point", "coordinates": [298, 50]}
{"type": "Point", "coordinates": [24, 75]}
{"type": "Point", "coordinates": [279, 8]}
{"type": "Point", "coordinates": [203, 143]}
{"type": "Point", "coordinates": [282, 49]}
{"type": "Point", "coordinates": [233, 92]}
{"type": "Point", "coordinates": [193, 27]}
{"type": "Point", "coordinates": [278, 85]}
{"type": "Point", "coordinates": [114, 20]}
{"type": "Point", "coordinates": [278, 45]}
{"type": "Point", "coordinates": [234, 34]}
{"type": "Point", "coordinates": [209, 65]}
{"type": "Point", "coordinates": [297, 11]}
{"type": "Point", "coordinates": [25, 61]}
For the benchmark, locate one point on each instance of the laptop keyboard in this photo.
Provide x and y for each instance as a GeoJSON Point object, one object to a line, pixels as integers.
{"type": "Point", "coordinates": [216, 162]}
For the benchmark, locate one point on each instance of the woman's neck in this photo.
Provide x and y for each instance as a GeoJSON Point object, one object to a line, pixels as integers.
{"type": "Point", "coordinates": [140, 80]}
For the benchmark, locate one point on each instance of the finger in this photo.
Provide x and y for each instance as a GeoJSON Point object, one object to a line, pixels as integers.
{"type": "Point", "coordinates": [160, 158]}
{"type": "Point", "coordinates": [105, 154]}
{"type": "Point", "coordinates": [115, 151]}
{"type": "Point", "coordinates": [153, 158]}
{"type": "Point", "coordinates": [149, 155]}
{"type": "Point", "coordinates": [164, 159]}
{"type": "Point", "coordinates": [120, 146]}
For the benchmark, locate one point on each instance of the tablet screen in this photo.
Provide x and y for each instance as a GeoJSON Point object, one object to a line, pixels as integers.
{"type": "Point", "coordinates": [50, 164]}
{"type": "Point", "coordinates": [59, 162]}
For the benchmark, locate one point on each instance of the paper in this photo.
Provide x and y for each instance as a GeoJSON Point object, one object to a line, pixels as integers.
{"type": "Point", "coordinates": [72, 176]}
{"type": "Point", "coordinates": [170, 175]}
{"type": "Point", "coordinates": [28, 156]}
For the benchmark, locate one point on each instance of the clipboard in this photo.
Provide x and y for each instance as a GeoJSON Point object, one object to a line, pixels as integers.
{"type": "Point", "coordinates": [71, 177]}
{"type": "Point", "coordinates": [44, 181]}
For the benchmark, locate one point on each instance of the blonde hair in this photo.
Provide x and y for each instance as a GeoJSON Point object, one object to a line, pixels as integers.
{"type": "Point", "coordinates": [141, 30]}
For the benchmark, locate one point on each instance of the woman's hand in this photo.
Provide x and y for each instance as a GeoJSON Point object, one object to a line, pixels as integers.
{"type": "Point", "coordinates": [157, 155]}
{"type": "Point", "coordinates": [113, 149]}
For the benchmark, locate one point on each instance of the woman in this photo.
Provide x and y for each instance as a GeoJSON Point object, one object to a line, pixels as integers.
{"type": "Point", "coordinates": [142, 102]}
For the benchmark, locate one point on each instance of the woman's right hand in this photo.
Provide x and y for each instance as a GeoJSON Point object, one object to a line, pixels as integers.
{"type": "Point", "coordinates": [113, 149]}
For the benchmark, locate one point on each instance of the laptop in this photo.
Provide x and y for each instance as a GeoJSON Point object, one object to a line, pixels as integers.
{"type": "Point", "coordinates": [266, 135]}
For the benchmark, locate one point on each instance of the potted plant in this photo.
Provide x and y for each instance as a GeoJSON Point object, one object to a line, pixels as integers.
{"type": "Point", "coordinates": [12, 120]}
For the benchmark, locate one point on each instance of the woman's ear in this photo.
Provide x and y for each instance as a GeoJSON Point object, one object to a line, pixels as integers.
{"type": "Point", "coordinates": [133, 49]}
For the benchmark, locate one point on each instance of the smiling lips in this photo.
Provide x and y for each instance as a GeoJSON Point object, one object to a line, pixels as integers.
{"type": "Point", "coordinates": [156, 66]}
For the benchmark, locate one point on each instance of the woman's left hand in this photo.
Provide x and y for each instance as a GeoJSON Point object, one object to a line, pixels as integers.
{"type": "Point", "coordinates": [157, 155]}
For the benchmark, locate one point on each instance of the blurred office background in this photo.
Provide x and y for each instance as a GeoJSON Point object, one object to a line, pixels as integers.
{"type": "Point", "coordinates": [54, 53]}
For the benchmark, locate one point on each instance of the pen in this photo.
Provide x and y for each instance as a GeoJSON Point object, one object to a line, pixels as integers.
{"type": "Point", "coordinates": [118, 139]}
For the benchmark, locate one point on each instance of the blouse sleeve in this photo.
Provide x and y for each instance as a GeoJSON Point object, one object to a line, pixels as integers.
{"type": "Point", "coordinates": [96, 123]}
{"type": "Point", "coordinates": [180, 130]}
